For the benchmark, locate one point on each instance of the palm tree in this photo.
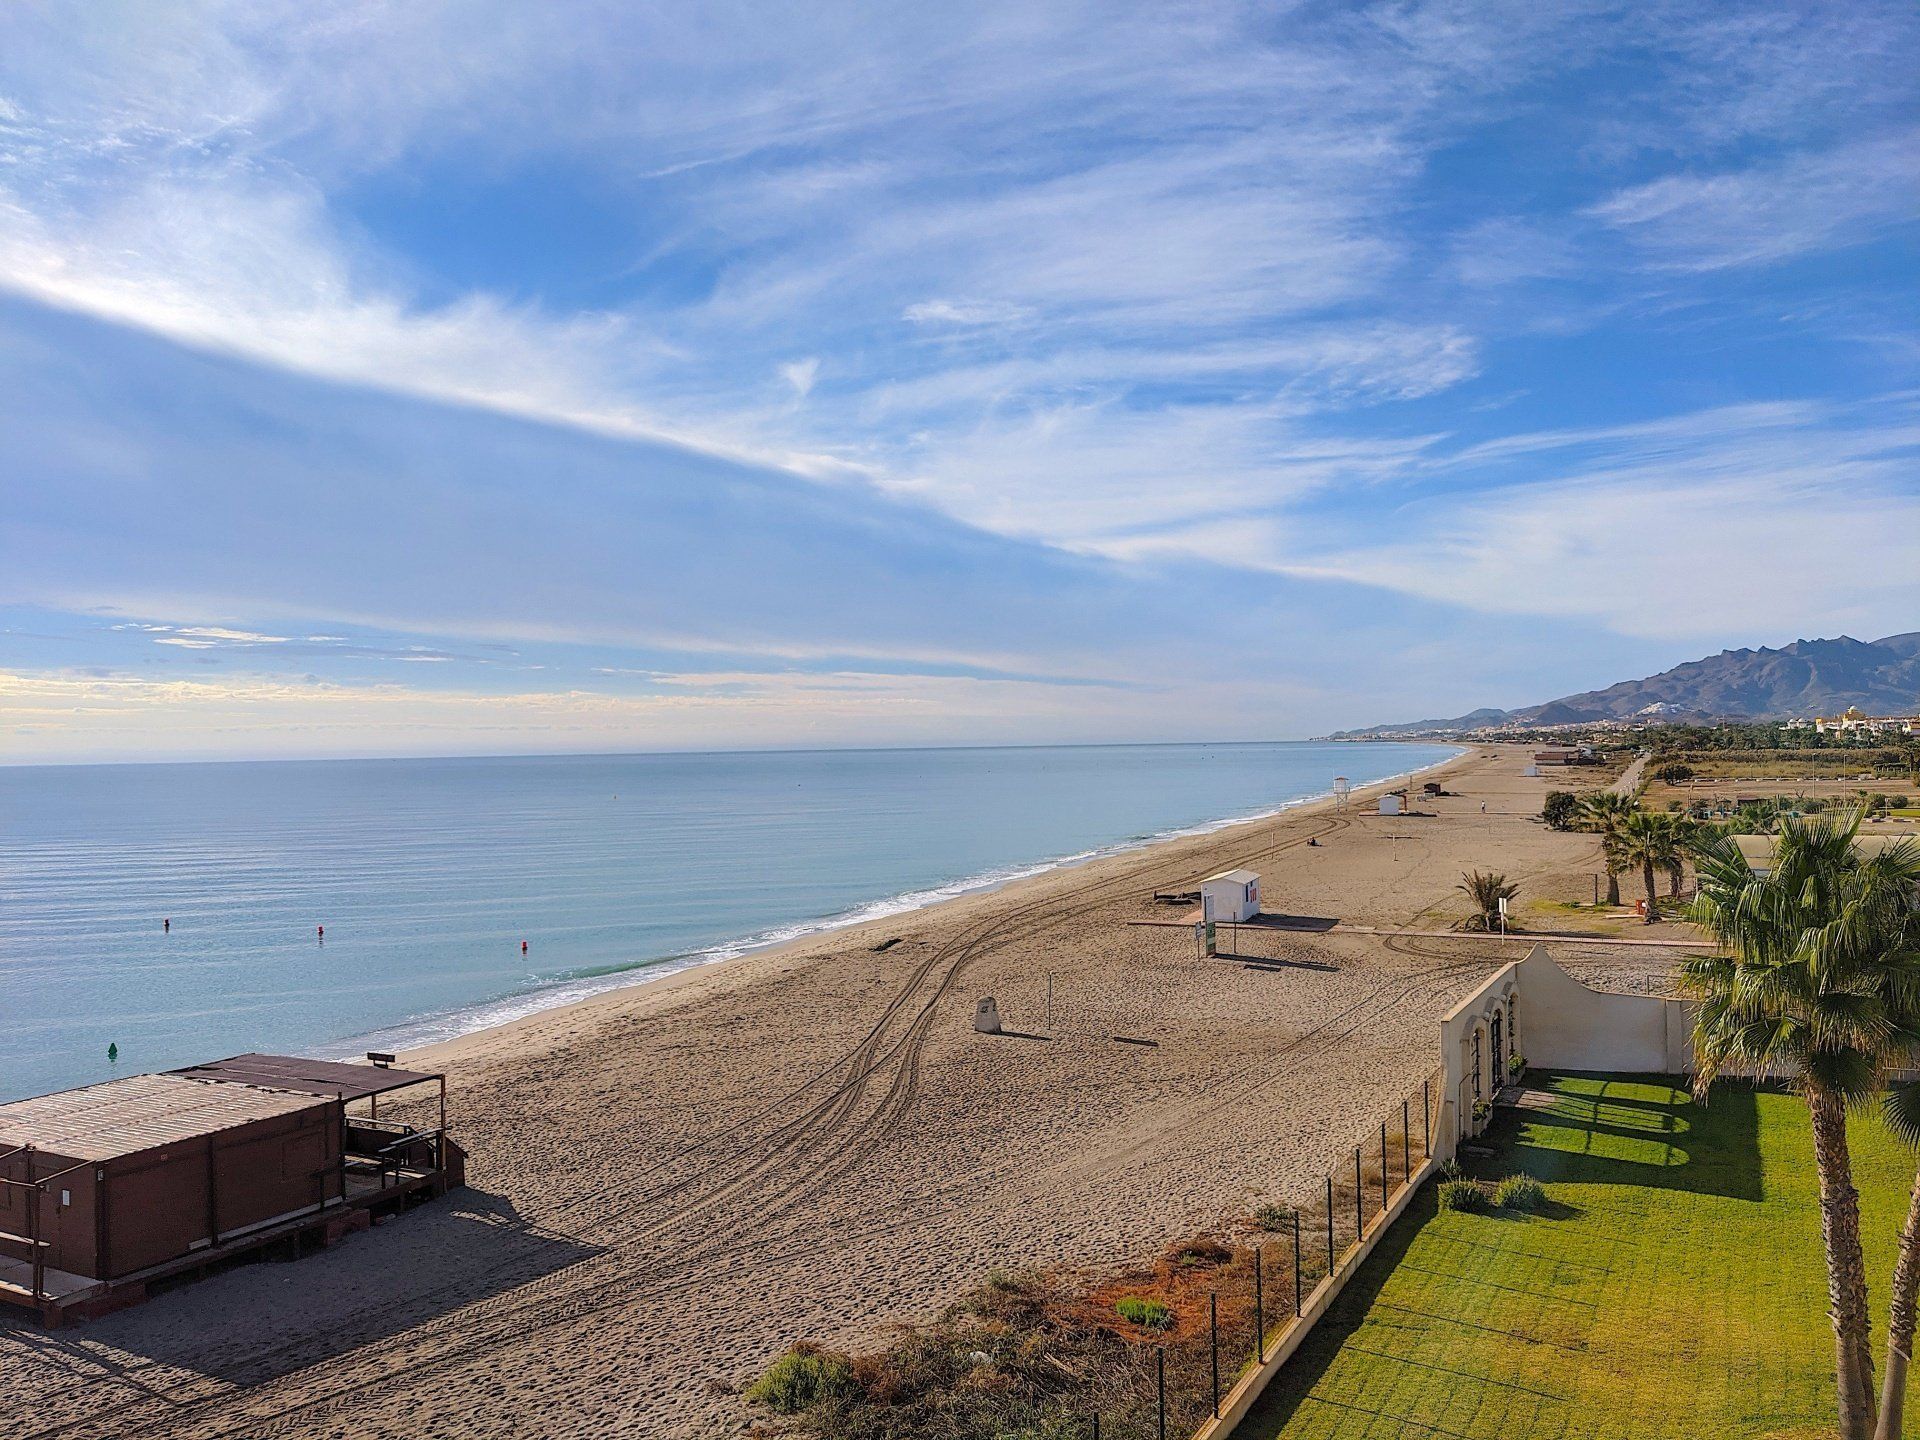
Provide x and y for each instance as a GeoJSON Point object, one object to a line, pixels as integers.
{"type": "Point", "coordinates": [1817, 979]}
{"type": "Point", "coordinates": [1903, 1118]}
{"type": "Point", "coordinates": [1601, 812]}
{"type": "Point", "coordinates": [1686, 837]}
{"type": "Point", "coordinates": [1649, 841]}
{"type": "Point", "coordinates": [1486, 891]}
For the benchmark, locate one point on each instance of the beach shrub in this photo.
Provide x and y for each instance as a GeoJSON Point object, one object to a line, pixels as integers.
{"type": "Point", "coordinates": [1484, 891]}
{"type": "Point", "coordinates": [1274, 1217]}
{"type": "Point", "coordinates": [1147, 1314]}
{"type": "Point", "coordinates": [1462, 1195]}
{"type": "Point", "coordinates": [1516, 1066]}
{"type": "Point", "coordinates": [1562, 810]}
{"type": "Point", "coordinates": [801, 1379]}
{"type": "Point", "coordinates": [1520, 1192]}
{"type": "Point", "coordinates": [1201, 1250]}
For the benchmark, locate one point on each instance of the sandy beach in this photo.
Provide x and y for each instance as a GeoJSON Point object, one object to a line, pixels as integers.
{"type": "Point", "coordinates": [670, 1183]}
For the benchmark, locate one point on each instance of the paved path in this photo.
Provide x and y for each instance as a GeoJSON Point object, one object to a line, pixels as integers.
{"type": "Point", "coordinates": [1629, 780]}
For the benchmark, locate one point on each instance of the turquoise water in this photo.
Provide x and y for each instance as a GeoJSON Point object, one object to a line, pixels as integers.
{"type": "Point", "coordinates": [428, 875]}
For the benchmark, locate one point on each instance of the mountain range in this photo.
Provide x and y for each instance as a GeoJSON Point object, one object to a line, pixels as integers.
{"type": "Point", "coordinates": [1806, 678]}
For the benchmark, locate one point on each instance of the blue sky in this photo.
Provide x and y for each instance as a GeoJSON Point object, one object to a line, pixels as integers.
{"type": "Point", "coordinates": [423, 378]}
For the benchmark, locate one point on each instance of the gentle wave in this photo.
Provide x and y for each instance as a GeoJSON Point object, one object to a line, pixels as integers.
{"type": "Point", "coordinates": [572, 987]}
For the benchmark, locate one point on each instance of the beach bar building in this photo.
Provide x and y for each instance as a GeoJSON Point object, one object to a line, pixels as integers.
{"type": "Point", "coordinates": [111, 1188]}
{"type": "Point", "coordinates": [1232, 895]}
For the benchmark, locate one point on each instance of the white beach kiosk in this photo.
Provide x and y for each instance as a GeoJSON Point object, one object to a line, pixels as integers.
{"type": "Point", "coordinates": [1232, 896]}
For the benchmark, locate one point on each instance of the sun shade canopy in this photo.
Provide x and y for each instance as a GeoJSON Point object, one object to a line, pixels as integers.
{"type": "Point", "coordinates": [309, 1077]}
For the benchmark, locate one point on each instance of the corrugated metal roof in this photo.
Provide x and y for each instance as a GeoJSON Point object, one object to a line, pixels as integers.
{"type": "Point", "coordinates": [310, 1077]}
{"type": "Point", "coordinates": [141, 1112]}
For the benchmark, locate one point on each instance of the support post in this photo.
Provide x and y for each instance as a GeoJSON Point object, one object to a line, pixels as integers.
{"type": "Point", "coordinates": [1406, 1144]}
{"type": "Point", "coordinates": [1259, 1310]}
{"type": "Point", "coordinates": [1383, 1166]}
{"type": "Point", "coordinates": [33, 1227]}
{"type": "Point", "coordinates": [1296, 1262]}
{"type": "Point", "coordinates": [1160, 1387]}
{"type": "Point", "coordinates": [1426, 1113]}
{"type": "Point", "coordinates": [1359, 1198]}
{"type": "Point", "coordinates": [1329, 1225]}
{"type": "Point", "coordinates": [1213, 1341]}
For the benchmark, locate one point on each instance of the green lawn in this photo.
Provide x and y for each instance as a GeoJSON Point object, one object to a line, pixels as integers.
{"type": "Point", "coordinates": [1675, 1286]}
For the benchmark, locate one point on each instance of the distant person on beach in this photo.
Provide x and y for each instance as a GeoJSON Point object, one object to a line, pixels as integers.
{"type": "Point", "coordinates": [321, 931]}
{"type": "Point", "coordinates": [166, 925]}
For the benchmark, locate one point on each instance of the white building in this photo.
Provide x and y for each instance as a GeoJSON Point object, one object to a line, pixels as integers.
{"type": "Point", "coordinates": [1232, 895]}
{"type": "Point", "coordinates": [1390, 804]}
{"type": "Point", "coordinates": [1852, 721]}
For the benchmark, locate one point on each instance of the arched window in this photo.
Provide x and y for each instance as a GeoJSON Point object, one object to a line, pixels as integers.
{"type": "Point", "coordinates": [1499, 1050]}
{"type": "Point", "coordinates": [1476, 1064]}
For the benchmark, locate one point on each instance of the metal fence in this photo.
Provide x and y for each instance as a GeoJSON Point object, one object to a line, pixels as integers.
{"type": "Point", "coordinates": [1256, 1299]}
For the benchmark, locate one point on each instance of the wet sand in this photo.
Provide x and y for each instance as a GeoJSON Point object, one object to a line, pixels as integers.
{"type": "Point", "coordinates": [670, 1183]}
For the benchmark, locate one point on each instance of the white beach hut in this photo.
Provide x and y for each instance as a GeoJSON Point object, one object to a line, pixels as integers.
{"type": "Point", "coordinates": [1232, 895]}
{"type": "Point", "coordinates": [1389, 804]}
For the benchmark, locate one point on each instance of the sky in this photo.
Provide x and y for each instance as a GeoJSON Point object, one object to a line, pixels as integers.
{"type": "Point", "coordinates": [480, 378]}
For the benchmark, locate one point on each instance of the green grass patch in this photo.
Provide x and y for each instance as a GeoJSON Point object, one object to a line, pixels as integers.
{"type": "Point", "coordinates": [800, 1379]}
{"type": "Point", "coordinates": [1147, 1314]}
{"type": "Point", "coordinates": [1671, 1283]}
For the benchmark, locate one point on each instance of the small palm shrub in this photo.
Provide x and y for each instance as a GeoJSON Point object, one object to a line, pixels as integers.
{"type": "Point", "coordinates": [1520, 1192]}
{"type": "Point", "coordinates": [1147, 1314]}
{"type": "Point", "coordinates": [1484, 891]}
{"type": "Point", "coordinates": [801, 1379]}
{"type": "Point", "coordinates": [1516, 1066]}
{"type": "Point", "coordinates": [1462, 1195]}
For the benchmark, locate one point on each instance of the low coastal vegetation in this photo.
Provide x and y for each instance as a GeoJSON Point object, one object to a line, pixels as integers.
{"type": "Point", "coordinates": [1034, 1354]}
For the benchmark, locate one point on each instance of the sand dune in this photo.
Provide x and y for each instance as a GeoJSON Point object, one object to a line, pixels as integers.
{"type": "Point", "coordinates": [672, 1182]}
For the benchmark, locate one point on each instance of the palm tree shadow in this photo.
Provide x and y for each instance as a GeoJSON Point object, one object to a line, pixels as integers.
{"type": "Point", "coordinates": [1593, 1137]}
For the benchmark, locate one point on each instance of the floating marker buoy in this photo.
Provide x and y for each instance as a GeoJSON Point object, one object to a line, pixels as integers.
{"type": "Point", "coordinates": [113, 1053]}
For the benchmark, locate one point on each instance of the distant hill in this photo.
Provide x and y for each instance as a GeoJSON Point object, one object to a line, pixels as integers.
{"type": "Point", "coordinates": [1806, 678]}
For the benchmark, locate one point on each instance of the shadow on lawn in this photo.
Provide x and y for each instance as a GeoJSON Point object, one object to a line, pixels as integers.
{"type": "Point", "coordinates": [1293, 1387]}
{"type": "Point", "coordinates": [1594, 1135]}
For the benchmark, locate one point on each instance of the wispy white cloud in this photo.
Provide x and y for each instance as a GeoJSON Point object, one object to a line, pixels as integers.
{"type": "Point", "coordinates": [1200, 302]}
{"type": "Point", "coordinates": [1772, 212]}
{"type": "Point", "coordinates": [1729, 522]}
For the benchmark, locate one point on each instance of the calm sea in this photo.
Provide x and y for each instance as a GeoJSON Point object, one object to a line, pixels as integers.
{"type": "Point", "coordinates": [428, 875]}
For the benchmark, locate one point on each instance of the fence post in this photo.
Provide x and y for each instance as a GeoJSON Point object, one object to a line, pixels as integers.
{"type": "Point", "coordinates": [1296, 1262]}
{"type": "Point", "coordinates": [1160, 1386]}
{"type": "Point", "coordinates": [1359, 1198]}
{"type": "Point", "coordinates": [1383, 1167]}
{"type": "Point", "coordinates": [1096, 1425]}
{"type": "Point", "coordinates": [1406, 1144]}
{"type": "Point", "coordinates": [1259, 1310]}
{"type": "Point", "coordinates": [1213, 1340]}
{"type": "Point", "coordinates": [1329, 1225]}
{"type": "Point", "coordinates": [1426, 1113]}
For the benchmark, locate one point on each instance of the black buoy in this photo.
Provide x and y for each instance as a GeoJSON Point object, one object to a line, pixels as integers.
{"type": "Point", "coordinates": [113, 1053]}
